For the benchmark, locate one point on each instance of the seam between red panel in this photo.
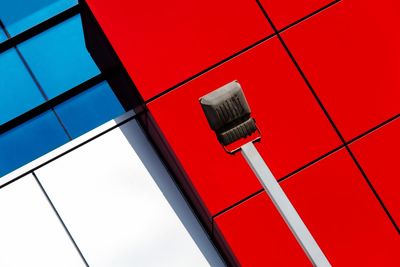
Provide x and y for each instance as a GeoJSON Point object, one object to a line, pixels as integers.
{"type": "Point", "coordinates": [210, 68]}
{"type": "Point", "coordinates": [345, 144]}
{"type": "Point", "coordinates": [377, 127]}
{"type": "Point", "coordinates": [239, 52]}
{"type": "Point", "coordinates": [319, 10]}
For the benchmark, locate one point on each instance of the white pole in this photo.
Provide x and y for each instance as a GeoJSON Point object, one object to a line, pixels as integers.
{"type": "Point", "coordinates": [285, 208]}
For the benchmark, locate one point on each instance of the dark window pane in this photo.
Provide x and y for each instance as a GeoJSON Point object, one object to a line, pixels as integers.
{"type": "Point", "coordinates": [18, 92]}
{"type": "Point", "coordinates": [20, 15]}
{"type": "Point", "coordinates": [29, 141]}
{"type": "Point", "coordinates": [59, 58]}
{"type": "Point", "coordinates": [89, 109]}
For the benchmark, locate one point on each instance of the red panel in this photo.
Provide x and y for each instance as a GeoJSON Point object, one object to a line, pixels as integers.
{"type": "Point", "coordinates": [337, 206]}
{"type": "Point", "coordinates": [350, 54]}
{"type": "Point", "coordinates": [284, 12]}
{"type": "Point", "coordinates": [295, 130]}
{"type": "Point", "coordinates": [161, 43]}
{"type": "Point", "coordinates": [258, 236]}
{"type": "Point", "coordinates": [379, 155]}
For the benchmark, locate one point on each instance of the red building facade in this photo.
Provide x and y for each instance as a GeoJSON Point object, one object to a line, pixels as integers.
{"type": "Point", "coordinates": [323, 81]}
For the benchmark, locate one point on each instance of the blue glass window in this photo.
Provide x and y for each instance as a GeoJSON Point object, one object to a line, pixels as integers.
{"type": "Point", "coordinates": [20, 15]}
{"type": "Point", "coordinates": [29, 141]}
{"type": "Point", "coordinates": [89, 109]}
{"type": "Point", "coordinates": [3, 36]}
{"type": "Point", "coordinates": [18, 92]}
{"type": "Point", "coordinates": [59, 58]}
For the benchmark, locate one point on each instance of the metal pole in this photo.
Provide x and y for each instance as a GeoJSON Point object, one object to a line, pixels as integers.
{"type": "Point", "coordinates": [284, 206]}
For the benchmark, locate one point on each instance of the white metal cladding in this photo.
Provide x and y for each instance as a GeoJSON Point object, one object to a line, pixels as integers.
{"type": "Point", "coordinates": [30, 232]}
{"type": "Point", "coordinates": [122, 207]}
{"type": "Point", "coordinates": [117, 201]}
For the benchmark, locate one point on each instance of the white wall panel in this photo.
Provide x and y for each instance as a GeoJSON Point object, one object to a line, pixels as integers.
{"type": "Point", "coordinates": [30, 232]}
{"type": "Point", "coordinates": [122, 207]}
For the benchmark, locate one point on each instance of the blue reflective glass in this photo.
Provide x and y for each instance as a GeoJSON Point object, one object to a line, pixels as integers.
{"type": "Point", "coordinates": [18, 92]}
{"type": "Point", "coordinates": [59, 58]}
{"type": "Point", "coordinates": [20, 15]}
{"type": "Point", "coordinates": [3, 36]}
{"type": "Point", "coordinates": [29, 141]}
{"type": "Point", "coordinates": [89, 109]}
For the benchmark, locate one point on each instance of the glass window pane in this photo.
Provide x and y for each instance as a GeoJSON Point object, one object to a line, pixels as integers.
{"type": "Point", "coordinates": [3, 36]}
{"type": "Point", "coordinates": [89, 109]}
{"type": "Point", "coordinates": [29, 141]}
{"type": "Point", "coordinates": [18, 92]}
{"type": "Point", "coordinates": [59, 58]}
{"type": "Point", "coordinates": [20, 15]}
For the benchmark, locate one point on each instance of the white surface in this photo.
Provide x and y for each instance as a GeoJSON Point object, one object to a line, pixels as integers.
{"type": "Point", "coordinates": [30, 232]}
{"type": "Point", "coordinates": [284, 206]}
{"type": "Point", "coordinates": [121, 206]}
